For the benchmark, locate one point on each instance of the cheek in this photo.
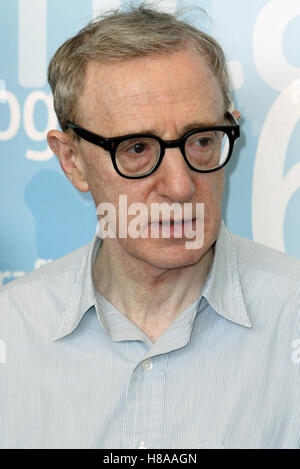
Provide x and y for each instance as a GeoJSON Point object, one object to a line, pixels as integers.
{"type": "Point", "coordinates": [107, 186]}
{"type": "Point", "coordinates": [103, 181]}
{"type": "Point", "coordinates": [212, 193]}
{"type": "Point", "coordinates": [210, 189]}
{"type": "Point", "coordinates": [218, 180]}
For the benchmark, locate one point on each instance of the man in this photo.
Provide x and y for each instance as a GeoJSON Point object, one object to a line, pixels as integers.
{"type": "Point", "coordinates": [141, 342]}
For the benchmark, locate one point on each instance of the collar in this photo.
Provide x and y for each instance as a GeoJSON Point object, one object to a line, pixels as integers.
{"type": "Point", "coordinates": [222, 289]}
{"type": "Point", "coordinates": [82, 296]}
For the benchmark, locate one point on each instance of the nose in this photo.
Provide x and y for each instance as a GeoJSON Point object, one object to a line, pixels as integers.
{"type": "Point", "coordinates": [174, 177]}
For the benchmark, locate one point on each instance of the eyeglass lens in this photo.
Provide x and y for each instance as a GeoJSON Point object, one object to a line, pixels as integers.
{"type": "Point", "coordinates": [204, 151]}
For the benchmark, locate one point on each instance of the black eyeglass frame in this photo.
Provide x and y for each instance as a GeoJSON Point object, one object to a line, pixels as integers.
{"type": "Point", "coordinates": [111, 144]}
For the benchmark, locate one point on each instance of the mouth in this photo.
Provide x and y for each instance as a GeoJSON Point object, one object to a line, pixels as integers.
{"type": "Point", "coordinates": [174, 228]}
{"type": "Point", "coordinates": [176, 222]}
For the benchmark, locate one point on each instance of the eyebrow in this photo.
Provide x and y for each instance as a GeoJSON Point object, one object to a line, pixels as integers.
{"type": "Point", "coordinates": [197, 125]}
{"type": "Point", "coordinates": [184, 130]}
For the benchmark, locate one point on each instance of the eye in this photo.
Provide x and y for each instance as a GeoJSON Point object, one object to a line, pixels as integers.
{"type": "Point", "coordinates": [139, 147]}
{"type": "Point", "coordinates": [143, 147]}
{"type": "Point", "coordinates": [203, 141]}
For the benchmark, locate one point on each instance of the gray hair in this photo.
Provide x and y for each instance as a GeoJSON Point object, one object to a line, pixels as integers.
{"type": "Point", "coordinates": [122, 35]}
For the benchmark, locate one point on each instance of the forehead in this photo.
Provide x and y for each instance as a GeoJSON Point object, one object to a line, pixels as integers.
{"type": "Point", "coordinates": [150, 91]}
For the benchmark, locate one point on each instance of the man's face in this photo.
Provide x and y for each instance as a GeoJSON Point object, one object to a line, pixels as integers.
{"type": "Point", "coordinates": [165, 95]}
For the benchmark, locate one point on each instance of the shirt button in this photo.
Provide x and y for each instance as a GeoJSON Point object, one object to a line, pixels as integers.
{"type": "Point", "coordinates": [142, 445]}
{"type": "Point", "coordinates": [147, 365]}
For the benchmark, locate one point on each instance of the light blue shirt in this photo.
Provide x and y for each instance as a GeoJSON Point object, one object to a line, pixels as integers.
{"type": "Point", "coordinates": [76, 373]}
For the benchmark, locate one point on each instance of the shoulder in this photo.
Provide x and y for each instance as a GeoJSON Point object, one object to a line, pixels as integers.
{"type": "Point", "coordinates": [258, 258]}
{"type": "Point", "coordinates": [34, 303]}
{"type": "Point", "coordinates": [53, 271]}
{"type": "Point", "coordinates": [270, 285]}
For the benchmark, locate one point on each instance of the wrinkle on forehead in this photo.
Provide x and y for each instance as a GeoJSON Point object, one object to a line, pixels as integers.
{"type": "Point", "coordinates": [143, 101]}
{"type": "Point", "coordinates": [142, 88]}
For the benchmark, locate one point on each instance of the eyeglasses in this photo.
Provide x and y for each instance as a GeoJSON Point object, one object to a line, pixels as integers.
{"type": "Point", "coordinates": [135, 156]}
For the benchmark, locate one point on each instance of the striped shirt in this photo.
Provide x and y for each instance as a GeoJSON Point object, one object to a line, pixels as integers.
{"type": "Point", "coordinates": [77, 373]}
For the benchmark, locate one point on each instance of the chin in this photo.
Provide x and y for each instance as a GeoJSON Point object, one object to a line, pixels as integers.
{"type": "Point", "coordinates": [169, 255]}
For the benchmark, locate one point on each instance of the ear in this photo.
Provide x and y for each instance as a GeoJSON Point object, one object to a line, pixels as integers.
{"type": "Point", "coordinates": [236, 114]}
{"type": "Point", "coordinates": [69, 157]}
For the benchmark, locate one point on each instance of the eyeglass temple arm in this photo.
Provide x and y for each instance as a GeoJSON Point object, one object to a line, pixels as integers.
{"type": "Point", "coordinates": [90, 136]}
{"type": "Point", "coordinates": [228, 115]}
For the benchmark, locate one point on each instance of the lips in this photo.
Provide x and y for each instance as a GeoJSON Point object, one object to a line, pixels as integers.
{"type": "Point", "coordinates": [175, 228]}
{"type": "Point", "coordinates": [177, 222]}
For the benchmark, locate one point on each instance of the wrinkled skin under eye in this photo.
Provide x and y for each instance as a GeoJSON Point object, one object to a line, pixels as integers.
{"type": "Point", "coordinates": [136, 156]}
{"type": "Point", "coordinates": [202, 150]}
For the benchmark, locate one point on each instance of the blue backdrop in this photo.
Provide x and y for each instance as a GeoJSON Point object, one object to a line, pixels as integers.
{"type": "Point", "coordinates": [43, 217]}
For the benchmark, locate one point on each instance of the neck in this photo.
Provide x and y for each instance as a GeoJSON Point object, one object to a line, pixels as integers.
{"type": "Point", "coordinates": [150, 297]}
